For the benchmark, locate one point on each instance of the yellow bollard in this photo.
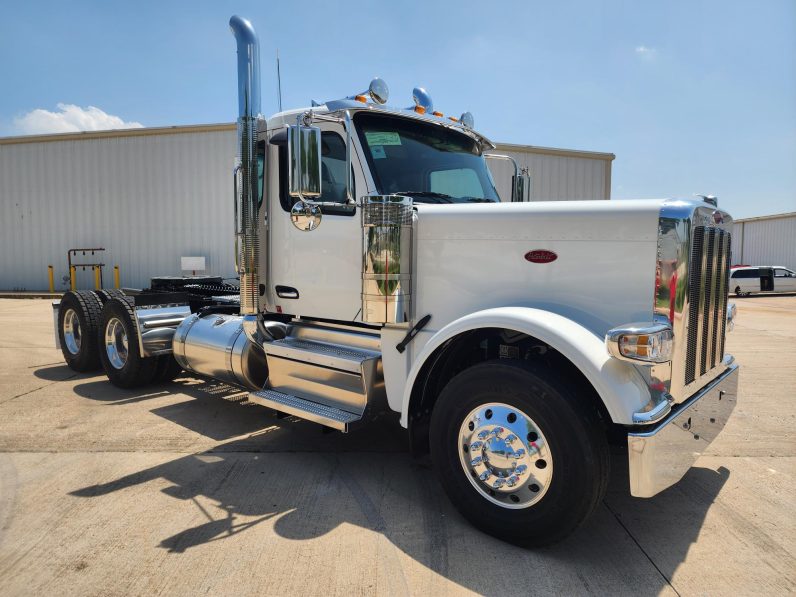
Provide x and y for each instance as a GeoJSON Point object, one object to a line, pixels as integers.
{"type": "Point", "coordinates": [97, 284]}
{"type": "Point", "coordinates": [51, 276]}
{"type": "Point", "coordinates": [116, 276]}
{"type": "Point", "coordinates": [73, 278]}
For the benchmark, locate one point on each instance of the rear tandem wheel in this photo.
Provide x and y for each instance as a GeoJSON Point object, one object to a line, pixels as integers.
{"type": "Point", "coordinates": [78, 318]}
{"type": "Point", "coordinates": [119, 352]}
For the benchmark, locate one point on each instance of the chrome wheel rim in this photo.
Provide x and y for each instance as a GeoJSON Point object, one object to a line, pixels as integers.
{"type": "Point", "coordinates": [505, 455]}
{"type": "Point", "coordinates": [116, 343]}
{"type": "Point", "coordinates": [73, 334]}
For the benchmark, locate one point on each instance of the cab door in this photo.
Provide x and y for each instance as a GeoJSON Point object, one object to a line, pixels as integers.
{"type": "Point", "coordinates": [317, 273]}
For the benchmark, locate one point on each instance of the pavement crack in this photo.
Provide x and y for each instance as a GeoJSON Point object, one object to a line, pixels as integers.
{"type": "Point", "coordinates": [37, 389]}
{"type": "Point", "coordinates": [646, 555]}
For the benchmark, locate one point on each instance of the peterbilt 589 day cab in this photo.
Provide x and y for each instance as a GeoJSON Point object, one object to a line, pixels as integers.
{"type": "Point", "coordinates": [379, 270]}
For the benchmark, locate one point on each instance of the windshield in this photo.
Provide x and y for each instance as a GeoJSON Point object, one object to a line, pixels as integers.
{"type": "Point", "coordinates": [430, 163]}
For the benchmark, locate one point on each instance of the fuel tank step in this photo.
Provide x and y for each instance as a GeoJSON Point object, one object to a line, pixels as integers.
{"type": "Point", "coordinates": [345, 358]}
{"type": "Point", "coordinates": [306, 409]}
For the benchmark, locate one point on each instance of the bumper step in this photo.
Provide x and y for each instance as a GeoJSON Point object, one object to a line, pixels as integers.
{"type": "Point", "coordinates": [306, 409]}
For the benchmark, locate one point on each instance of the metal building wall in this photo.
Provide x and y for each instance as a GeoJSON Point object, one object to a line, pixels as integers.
{"type": "Point", "coordinates": [150, 196]}
{"type": "Point", "coordinates": [770, 240]}
{"type": "Point", "coordinates": [148, 199]}
{"type": "Point", "coordinates": [556, 174]}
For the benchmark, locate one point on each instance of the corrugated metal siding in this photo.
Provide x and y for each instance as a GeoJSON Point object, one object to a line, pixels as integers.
{"type": "Point", "coordinates": [553, 177]}
{"type": "Point", "coordinates": [150, 197]}
{"type": "Point", "coordinates": [767, 241]}
{"type": "Point", "coordinates": [148, 200]}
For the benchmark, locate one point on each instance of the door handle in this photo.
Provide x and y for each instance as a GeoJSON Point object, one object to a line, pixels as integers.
{"type": "Point", "coordinates": [287, 292]}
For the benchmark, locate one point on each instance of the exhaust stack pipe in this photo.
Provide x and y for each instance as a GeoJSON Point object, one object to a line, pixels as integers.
{"type": "Point", "coordinates": [247, 245]}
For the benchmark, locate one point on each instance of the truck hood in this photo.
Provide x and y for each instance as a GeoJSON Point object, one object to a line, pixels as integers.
{"type": "Point", "coordinates": [632, 220]}
{"type": "Point", "coordinates": [478, 256]}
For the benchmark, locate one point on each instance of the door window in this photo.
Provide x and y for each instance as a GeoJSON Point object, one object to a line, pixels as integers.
{"type": "Point", "coordinates": [746, 273]}
{"type": "Point", "coordinates": [781, 272]}
{"type": "Point", "coordinates": [333, 181]}
{"type": "Point", "coordinates": [260, 171]}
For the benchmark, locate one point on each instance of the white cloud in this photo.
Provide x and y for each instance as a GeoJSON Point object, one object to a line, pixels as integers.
{"type": "Point", "coordinates": [69, 119]}
{"type": "Point", "coordinates": [646, 52]}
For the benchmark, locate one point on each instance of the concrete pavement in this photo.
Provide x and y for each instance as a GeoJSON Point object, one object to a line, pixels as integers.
{"type": "Point", "coordinates": [186, 488]}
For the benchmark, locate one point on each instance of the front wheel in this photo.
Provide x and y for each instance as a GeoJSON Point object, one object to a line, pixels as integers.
{"type": "Point", "coordinates": [520, 454]}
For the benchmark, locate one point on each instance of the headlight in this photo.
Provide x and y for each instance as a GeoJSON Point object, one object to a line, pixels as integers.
{"type": "Point", "coordinates": [640, 343]}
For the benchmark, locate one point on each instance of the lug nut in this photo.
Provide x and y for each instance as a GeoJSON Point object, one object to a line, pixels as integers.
{"type": "Point", "coordinates": [483, 434]}
{"type": "Point", "coordinates": [511, 439]}
{"type": "Point", "coordinates": [485, 475]}
{"type": "Point", "coordinates": [497, 431]}
{"type": "Point", "coordinates": [476, 446]}
{"type": "Point", "coordinates": [521, 469]}
{"type": "Point", "coordinates": [498, 483]}
{"type": "Point", "coordinates": [475, 461]}
{"type": "Point", "coordinates": [512, 481]}
{"type": "Point", "coordinates": [519, 453]}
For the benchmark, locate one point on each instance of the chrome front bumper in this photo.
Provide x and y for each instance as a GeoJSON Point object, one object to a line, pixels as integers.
{"type": "Point", "coordinates": [659, 457]}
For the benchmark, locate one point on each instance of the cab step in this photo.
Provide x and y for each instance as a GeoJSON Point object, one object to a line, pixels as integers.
{"type": "Point", "coordinates": [306, 409]}
{"type": "Point", "coordinates": [344, 358]}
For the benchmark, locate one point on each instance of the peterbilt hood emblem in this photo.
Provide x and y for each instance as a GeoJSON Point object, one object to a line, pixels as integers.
{"type": "Point", "coordinates": [718, 218]}
{"type": "Point", "coordinates": [540, 256]}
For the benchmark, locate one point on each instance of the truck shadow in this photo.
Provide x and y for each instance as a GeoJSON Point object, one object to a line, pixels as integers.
{"type": "Point", "coordinates": [308, 483]}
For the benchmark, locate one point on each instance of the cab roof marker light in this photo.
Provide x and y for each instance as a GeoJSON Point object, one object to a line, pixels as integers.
{"type": "Point", "coordinates": [641, 343]}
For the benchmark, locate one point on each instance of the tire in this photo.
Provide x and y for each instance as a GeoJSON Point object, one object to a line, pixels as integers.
{"type": "Point", "coordinates": [117, 338]}
{"type": "Point", "coordinates": [110, 293]}
{"type": "Point", "coordinates": [78, 318]}
{"type": "Point", "coordinates": [167, 369]}
{"type": "Point", "coordinates": [565, 454]}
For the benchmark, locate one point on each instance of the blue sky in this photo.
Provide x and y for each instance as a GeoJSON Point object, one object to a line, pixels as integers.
{"type": "Point", "coordinates": [690, 96]}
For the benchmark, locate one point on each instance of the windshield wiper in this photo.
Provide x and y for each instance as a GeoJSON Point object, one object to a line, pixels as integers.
{"type": "Point", "coordinates": [442, 197]}
{"type": "Point", "coordinates": [478, 200]}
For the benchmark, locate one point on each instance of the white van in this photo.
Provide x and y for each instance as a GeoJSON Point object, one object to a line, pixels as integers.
{"type": "Point", "coordinates": [747, 279]}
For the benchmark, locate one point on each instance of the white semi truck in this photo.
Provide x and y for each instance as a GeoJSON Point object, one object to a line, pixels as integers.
{"type": "Point", "coordinates": [379, 270]}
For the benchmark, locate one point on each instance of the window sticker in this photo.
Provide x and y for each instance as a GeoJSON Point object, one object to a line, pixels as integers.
{"type": "Point", "coordinates": [378, 153]}
{"type": "Point", "coordinates": [382, 138]}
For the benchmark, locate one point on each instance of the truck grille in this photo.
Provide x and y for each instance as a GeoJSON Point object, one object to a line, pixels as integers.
{"type": "Point", "coordinates": [707, 300]}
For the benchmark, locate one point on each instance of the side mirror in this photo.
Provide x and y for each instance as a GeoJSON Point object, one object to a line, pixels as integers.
{"type": "Point", "coordinates": [304, 149]}
{"type": "Point", "coordinates": [520, 181]}
{"type": "Point", "coordinates": [521, 186]}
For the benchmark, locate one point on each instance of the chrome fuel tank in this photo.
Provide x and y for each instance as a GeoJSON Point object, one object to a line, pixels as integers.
{"type": "Point", "coordinates": [216, 346]}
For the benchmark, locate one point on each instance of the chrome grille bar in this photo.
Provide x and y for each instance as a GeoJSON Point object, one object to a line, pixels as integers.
{"type": "Point", "coordinates": [725, 283]}
{"type": "Point", "coordinates": [709, 321]}
{"type": "Point", "coordinates": [718, 303]}
{"type": "Point", "coordinates": [695, 300]}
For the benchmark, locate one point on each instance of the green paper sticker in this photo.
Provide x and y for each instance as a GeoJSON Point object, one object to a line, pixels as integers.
{"type": "Point", "coordinates": [382, 138]}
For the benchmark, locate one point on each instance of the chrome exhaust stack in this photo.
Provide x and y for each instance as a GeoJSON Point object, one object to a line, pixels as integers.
{"type": "Point", "coordinates": [227, 347]}
{"type": "Point", "coordinates": [247, 246]}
